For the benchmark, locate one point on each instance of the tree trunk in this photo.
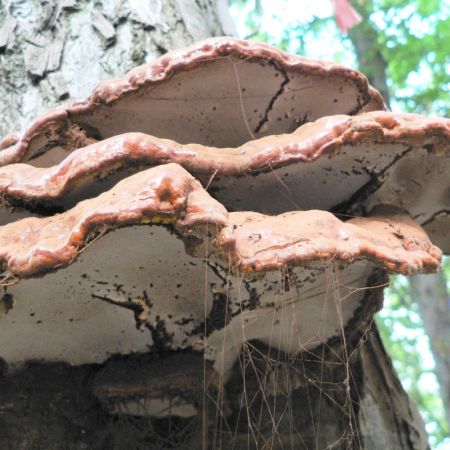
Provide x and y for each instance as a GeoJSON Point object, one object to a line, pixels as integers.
{"type": "Point", "coordinates": [431, 294]}
{"type": "Point", "coordinates": [55, 50]}
{"type": "Point", "coordinates": [370, 59]}
{"type": "Point", "coordinates": [345, 394]}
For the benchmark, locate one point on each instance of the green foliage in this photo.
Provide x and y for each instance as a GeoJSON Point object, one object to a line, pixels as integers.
{"type": "Point", "coordinates": [414, 38]}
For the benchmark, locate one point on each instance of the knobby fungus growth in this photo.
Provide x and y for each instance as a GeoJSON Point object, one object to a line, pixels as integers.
{"type": "Point", "coordinates": [199, 248]}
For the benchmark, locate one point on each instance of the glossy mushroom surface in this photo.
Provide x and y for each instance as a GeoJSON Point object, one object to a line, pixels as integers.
{"type": "Point", "coordinates": [341, 163]}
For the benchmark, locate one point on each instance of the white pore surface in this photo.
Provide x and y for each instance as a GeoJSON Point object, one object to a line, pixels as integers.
{"type": "Point", "coordinates": [420, 183]}
{"type": "Point", "coordinates": [57, 317]}
{"type": "Point", "coordinates": [315, 308]}
{"type": "Point", "coordinates": [321, 184]}
{"type": "Point", "coordinates": [222, 103]}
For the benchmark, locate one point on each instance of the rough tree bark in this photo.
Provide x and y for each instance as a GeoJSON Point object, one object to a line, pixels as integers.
{"type": "Point", "coordinates": [343, 395]}
{"type": "Point", "coordinates": [53, 50]}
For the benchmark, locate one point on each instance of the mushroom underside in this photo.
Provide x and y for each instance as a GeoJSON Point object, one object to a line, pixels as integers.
{"type": "Point", "coordinates": [113, 300]}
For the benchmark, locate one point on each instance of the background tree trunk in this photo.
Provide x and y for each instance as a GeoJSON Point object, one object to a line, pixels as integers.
{"type": "Point", "coordinates": [368, 53]}
{"type": "Point", "coordinates": [343, 395]}
{"type": "Point", "coordinates": [431, 294]}
{"type": "Point", "coordinates": [430, 291]}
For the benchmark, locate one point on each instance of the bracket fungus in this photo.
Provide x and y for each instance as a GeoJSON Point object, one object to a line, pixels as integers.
{"type": "Point", "coordinates": [217, 92]}
{"type": "Point", "coordinates": [334, 163]}
{"type": "Point", "coordinates": [189, 207]}
{"type": "Point", "coordinates": [65, 272]}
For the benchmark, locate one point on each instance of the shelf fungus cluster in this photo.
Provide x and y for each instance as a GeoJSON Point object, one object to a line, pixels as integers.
{"type": "Point", "coordinates": [224, 194]}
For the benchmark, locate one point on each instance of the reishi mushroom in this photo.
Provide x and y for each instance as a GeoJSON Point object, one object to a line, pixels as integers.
{"type": "Point", "coordinates": [88, 268]}
{"type": "Point", "coordinates": [233, 220]}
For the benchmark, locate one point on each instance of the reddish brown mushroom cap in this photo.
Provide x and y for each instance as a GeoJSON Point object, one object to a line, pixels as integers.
{"type": "Point", "coordinates": [258, 243]}
{"type": "Point", "coordinates": [219, 92]}
{"type": "Point", "coordinates": [338, 162]}
{"type": "Point", "coordinates": [165, 194]}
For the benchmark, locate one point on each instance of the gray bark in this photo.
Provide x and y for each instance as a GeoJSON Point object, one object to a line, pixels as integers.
{"type": "Point", "coordinates": [57, 50]}
{"type": "Point", "coordinates": [431, 294]}
{"type": "Point", "coordinates": [390, 419]}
